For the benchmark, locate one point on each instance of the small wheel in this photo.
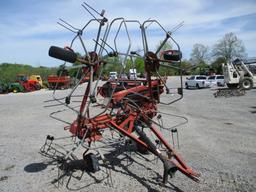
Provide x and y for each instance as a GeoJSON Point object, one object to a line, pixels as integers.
{"type": "Point", "coordinates": [91, 162]}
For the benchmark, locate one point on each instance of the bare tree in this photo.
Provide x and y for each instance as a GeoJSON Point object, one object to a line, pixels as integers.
{"type": "Point", "coordinates": [199, 54]}
{"type": "Point", "coordinates": [229, 47]}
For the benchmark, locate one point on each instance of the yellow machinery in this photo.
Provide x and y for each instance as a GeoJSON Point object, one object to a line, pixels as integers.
{"type": "Point", "coordinates": [38, 79]}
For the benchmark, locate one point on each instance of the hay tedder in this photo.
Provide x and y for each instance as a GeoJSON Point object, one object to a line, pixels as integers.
{"type": "Point", "coordinates": [130, 107]}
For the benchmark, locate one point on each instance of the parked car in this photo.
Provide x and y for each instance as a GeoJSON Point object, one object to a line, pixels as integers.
{"type": "Point", "coordinates": [123, 76]}
{"type": "Point", "coordinates": [215, 80]}
{"type": "Point", "coordinates": [133, 74]}
{"type": "Point", "coordinates": [113, 75]}
{"type": "Point", "coordinates": [196, 81]}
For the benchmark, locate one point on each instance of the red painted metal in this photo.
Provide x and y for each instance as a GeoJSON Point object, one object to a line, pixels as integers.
{"type": "Point", "coordinates": [124, 121]}
{"type": "Point", "coordinates": [135, 103]}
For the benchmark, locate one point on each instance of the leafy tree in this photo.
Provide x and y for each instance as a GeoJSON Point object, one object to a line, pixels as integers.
{"type": "Point", "coordinates": [139, 63]}
{"type": "Point", "coordinates": [201, 69]}
{"type": "Point", "coordinates": [113, 64]}
{"type": "Point", "coordinates": [199, 54]}
{"type": "Point", "coordinates": [217, 65]}
{"type": "Point", "coordinates": [186, 67]}
{"type": "Point", "coordinates": [229, 47]}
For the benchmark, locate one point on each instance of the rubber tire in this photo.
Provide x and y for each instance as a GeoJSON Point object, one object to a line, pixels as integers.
{"type": "Point", "coordinates": [186, 86]}
{"type": "Point", "coordinates": [246, 83]}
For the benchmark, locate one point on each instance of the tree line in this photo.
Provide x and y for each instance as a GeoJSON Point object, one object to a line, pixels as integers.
{"type": "Point", "coordinates": [8, 71]}
{"type": "Point", "coordinates": [225, 50]}
{"type": "Point", "coordinates": [202, 60]}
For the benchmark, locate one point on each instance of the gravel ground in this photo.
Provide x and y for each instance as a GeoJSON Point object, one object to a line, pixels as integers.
{"type": "Point", "coordinates": [219, 141]}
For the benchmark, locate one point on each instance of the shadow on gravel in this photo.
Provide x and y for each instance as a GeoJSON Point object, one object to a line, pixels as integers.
{"type": "Point", "coordinates": [69, 170]}
{"type": "Point", "coordinates": [254, 111]}
{"type": "Point", "coordinates": [35, 167]}
{"type": "Point", "coordinates": [117, 161]}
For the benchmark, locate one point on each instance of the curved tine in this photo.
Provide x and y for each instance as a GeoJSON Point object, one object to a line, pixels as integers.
{"type": "Point", "coordinates": [153, 21]}
{"type": "Point", "coordinates": [149, 23]}
{"type": "Point", "coordinates": [101, 46]}
{"type": "Point", "coordinates": [174, 126]}
{"type": "Point", "coordinates": [144, 40]}
{"type": "Point", "coordinates": [111, 96]}
{"type": "Point", "coordinates": [175, 28]}
{"type": "Point", "coordinates": [167, 128]}
{"type": "Point", "coordinates": [66, 27]}
{"type": "Point", "coordinates": [82, 43]}
{"type": "Point", "coordinates": [107, 46]}
{"type": "Point", "coordinates": [105, 107]}
{"type": "Point", "coordinates": [96, 85]}
{"type": "Point", "coordinates": [89, 12]}
{"type": "Point", "coordinates": [79, 35]}
{"type": "Point", "coordinates": [98, 20]}
{"type": "Point", "coordinates": [102, 23]}
{"type": "Point", "coordinates": [77, 84]}
{"type": "Point", "coordinates": [52, 100]}
{"type": "Point", "coordinates": [57, 83]}
{"type": "Point", "coordinates": [63, 103]}
{"type": "Point", "coordinates": [107, 33]}
{"type": "Point", "coordinates": [130, 44]}
{"type": "Point", "coordinates": [118, 30]}
{"type": "Point", "coordinates": [58, 119]}
{"type": "Point", "coordinates": [109, 28]}
{"type": "Point", "coordinates": [181, 79]}
{"type": "Point", "coordinates": [104, 39]}
{"type": "Point", "coordinates": [133, 21]}
{"type": "Point", "coordinates": [177, 116]}
{"type": "Point", "coordinates": [143, 31]}
{"type": "Point", "coordinates": [100, 14]}
{"type": "Point", "coordinates": [69, 24]}
{"type": "Point", "coordinates": [57, 99]}
{"type": "Point", "coordinates": [181, 96]}
{"type": "Point", "coordinates": [162, 80]}
{"type": "Point", "coordinates": [73, 40]}
{"type": "Point", "coordinates": [71, 44]}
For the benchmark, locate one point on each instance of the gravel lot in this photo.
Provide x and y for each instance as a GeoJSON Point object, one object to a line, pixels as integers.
{"type": "Point", "coordinates": [219, 141]}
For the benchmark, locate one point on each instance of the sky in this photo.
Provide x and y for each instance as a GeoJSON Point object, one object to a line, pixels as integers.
{"type": "Point", "coordinates": [29, 27]}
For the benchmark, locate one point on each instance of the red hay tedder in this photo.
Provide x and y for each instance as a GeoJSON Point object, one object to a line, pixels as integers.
{"type": "Point", "coordinates": [131, 105]}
